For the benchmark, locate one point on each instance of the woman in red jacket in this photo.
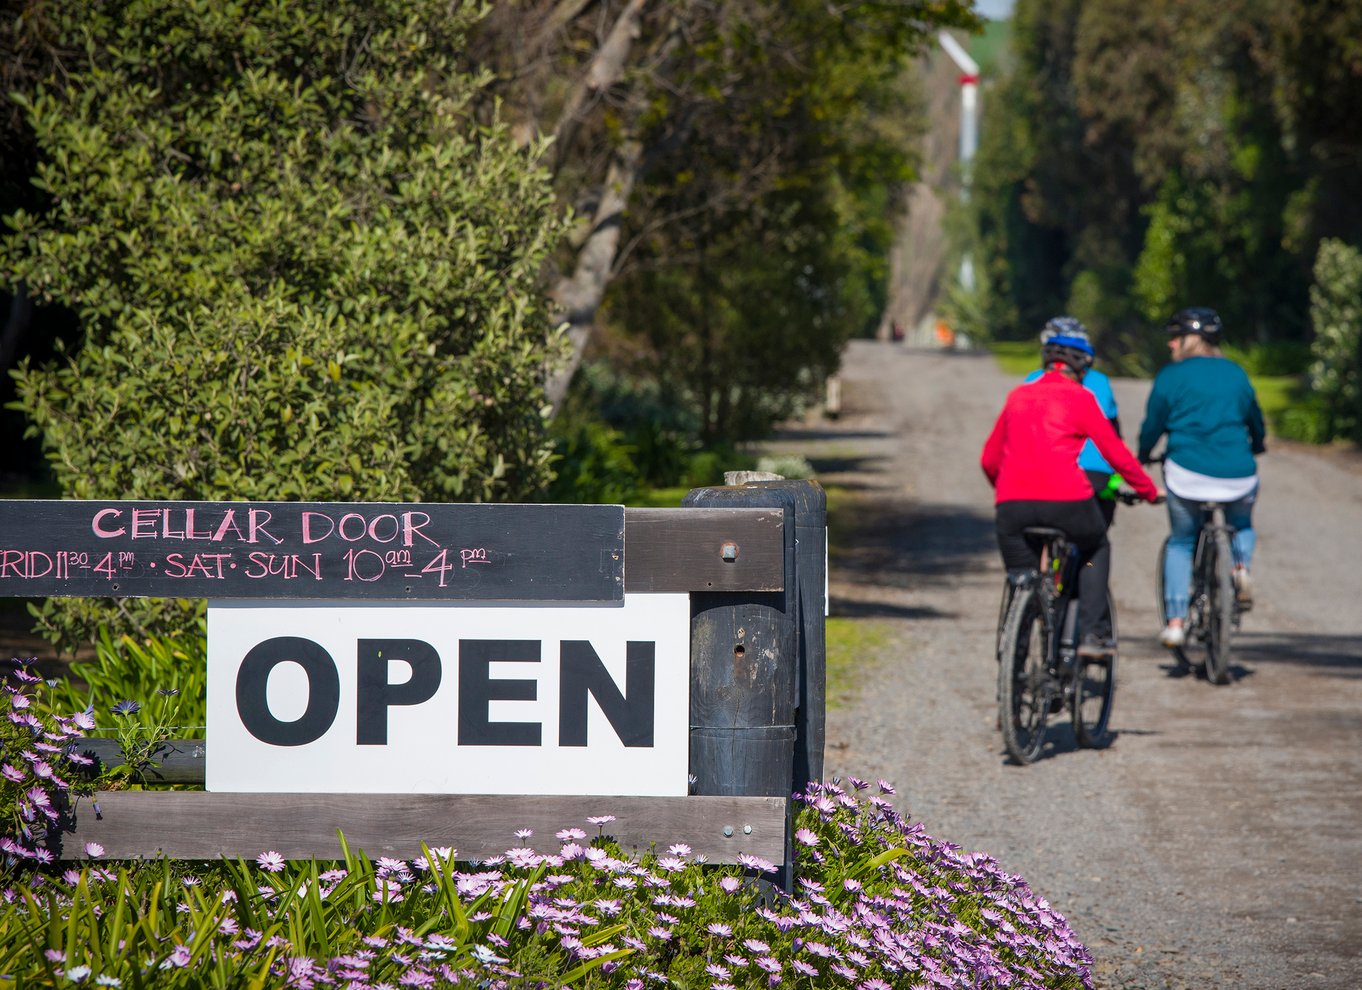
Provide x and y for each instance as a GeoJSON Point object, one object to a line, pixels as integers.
{"type": "Point", "coordinates": [1031, 459]}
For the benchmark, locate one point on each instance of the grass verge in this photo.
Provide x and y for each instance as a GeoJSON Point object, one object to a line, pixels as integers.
{"type": "Point", "coordinates": [854, 645]}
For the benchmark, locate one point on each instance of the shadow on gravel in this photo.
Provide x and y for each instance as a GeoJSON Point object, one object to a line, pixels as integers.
{"type": "Point", "coordinates": [1060, 740]}
{"type": "Point", "coordinates": [845, 608]}
{"type": "Point", "coordinates": [825, 466]}
{"type": "Point", "coordinates": [828, 433]}
{"type": "Point", "coordinates": [1197, 671]}
{"type": "Point", "coordinates": [896, 544]}
{"type": "Point", "coordinates": [1332, 656]}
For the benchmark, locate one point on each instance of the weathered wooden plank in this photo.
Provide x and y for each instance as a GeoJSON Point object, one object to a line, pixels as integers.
{"type": "Point", "coordinates": [202, 825]}
{"type": "Point", "coordinates": [402, 551]}
{"type": "Point", "coordinates": [311, 550]}
{"type": "Point", "coordinates": [177, 761]}
{"type": "Point", "coordinates": [701, 549]}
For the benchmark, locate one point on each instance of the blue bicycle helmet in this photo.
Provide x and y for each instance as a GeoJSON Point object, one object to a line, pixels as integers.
{"type": "Point", "coordinates": [1066, 339]}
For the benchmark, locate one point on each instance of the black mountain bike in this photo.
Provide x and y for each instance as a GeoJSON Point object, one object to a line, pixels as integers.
{"type": "Point", "coordinates": [1039, 670]}
{"type": "Point", "coordinates": [1213, 608]}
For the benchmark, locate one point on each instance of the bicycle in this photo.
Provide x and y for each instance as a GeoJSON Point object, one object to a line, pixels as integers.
{"type": "Point", "coordinates": [1213, 609]}
{"type": "Point", "coordinates": [1039, 669]}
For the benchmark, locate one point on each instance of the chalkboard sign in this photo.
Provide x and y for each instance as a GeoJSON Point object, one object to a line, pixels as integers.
{"type": "Point", "coordinates": [312, 550]}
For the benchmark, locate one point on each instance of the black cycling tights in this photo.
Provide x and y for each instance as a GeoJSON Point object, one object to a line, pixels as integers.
{"type": "Point", "coordinates": [1083, 523]}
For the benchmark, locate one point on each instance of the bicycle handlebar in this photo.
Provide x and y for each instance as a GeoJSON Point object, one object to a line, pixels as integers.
{"type": "Point", "coordinates": [1129, 497]}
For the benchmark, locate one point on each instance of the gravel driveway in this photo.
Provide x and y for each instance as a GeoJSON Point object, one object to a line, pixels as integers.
{"type": "Point", "coordinates": [1218, 841]}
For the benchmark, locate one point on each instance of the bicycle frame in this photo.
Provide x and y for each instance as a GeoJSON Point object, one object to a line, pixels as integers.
{"type": "Point", "coordinates": [1040, 672]}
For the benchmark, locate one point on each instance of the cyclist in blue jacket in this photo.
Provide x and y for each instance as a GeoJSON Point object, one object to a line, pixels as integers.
{"type": "Point", "coordinates": [1066, 331]}
{"type": "Point", "coordinates": [1207, 406]}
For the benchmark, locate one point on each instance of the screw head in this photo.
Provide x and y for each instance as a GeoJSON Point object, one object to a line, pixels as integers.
{"type": "Point", "coordinates": [728, 831]}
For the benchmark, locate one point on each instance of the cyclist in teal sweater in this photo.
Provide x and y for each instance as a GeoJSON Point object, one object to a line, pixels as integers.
{"type": "Point", "coordinates": [1206, 405]}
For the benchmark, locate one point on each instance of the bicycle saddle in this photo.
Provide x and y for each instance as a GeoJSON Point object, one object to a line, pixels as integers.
{"type": "Point", "coordinates": [1045, 532]}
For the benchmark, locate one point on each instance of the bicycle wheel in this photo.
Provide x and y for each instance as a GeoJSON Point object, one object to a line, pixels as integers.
{"type": "Point", "coordinates": [1219, 605]}
{"type": "Point", "coordinates": [1024, 685]}
{"type": "Point", "coordinates": [1178, 651]}
{"type": "Point", "coordinates": [1094, 690]}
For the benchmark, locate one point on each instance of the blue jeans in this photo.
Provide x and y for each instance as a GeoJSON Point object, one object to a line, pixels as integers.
{"type": "Point", "coordinates": [1184, 519]}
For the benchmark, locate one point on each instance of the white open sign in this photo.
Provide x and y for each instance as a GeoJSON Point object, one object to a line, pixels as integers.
{"type": "Point", "coordinates": [337, 697]}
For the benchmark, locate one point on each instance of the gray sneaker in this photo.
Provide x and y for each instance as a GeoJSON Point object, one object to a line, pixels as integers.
{"type": "Point", "coordinates": [1243, 588]}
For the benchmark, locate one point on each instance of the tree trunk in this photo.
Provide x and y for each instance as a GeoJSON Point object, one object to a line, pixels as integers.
{"type": "Point", "coordinates": [580, 295]}
{"type": "Point", "coordinates": [606, 69]}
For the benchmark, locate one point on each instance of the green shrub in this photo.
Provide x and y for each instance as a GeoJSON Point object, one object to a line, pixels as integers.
{"type": "Point", "coordinates": [304, 258]}
{"type": "Point", "coordinates": [594, 464]}
{"type": "Point", "coordinates": [791, 466]}
{"type": "Point", "coordinates": [1336, 312]}
{"type": "Point", "coordinates": [1274, 358]}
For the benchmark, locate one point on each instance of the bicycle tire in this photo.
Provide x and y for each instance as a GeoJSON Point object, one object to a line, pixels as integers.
{"type": "Point", "coordinates": [1219, 605]}
{"type": "Point", "coordinates": [1024, 687]}
{"type": "Point", "coordinates": [1002, 619]}
{"type": "Point", "coordinates": [1094, 692]}
{"type": "Point", "coordinates": [1179, 652]}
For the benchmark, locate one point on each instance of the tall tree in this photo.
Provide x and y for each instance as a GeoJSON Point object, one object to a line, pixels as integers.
{"type": "Point", "coordinates": [1148, 155]}
{"type": "Point", "coordinates": [727, 127]}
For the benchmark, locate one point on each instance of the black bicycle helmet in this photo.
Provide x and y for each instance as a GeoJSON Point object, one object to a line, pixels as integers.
{"type": "Point", "coordinates": [1200, 320]}
{"type": "Point", "coordinates": [1066, 339]}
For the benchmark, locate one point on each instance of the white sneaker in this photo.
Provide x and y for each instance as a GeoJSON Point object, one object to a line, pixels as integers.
{"type": "Point", "coordinates": [1243, 588]}
{"type": "Point", "coordinates": [1173, 636]}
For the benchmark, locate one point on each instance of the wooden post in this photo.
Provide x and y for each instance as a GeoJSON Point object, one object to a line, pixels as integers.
{"type": "Point", "coordinates": [757, 681]}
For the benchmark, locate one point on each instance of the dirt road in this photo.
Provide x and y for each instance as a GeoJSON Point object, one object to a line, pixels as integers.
{"type": "Point", "coordinates": [1218, 841]}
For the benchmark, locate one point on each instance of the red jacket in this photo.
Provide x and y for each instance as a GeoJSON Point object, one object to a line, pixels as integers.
{"type": "Point", "coordinates": [1032, 453]}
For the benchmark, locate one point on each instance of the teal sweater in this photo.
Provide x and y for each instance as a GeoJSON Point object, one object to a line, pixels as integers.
{"type": "Point", "coordinates": [1207, 407]}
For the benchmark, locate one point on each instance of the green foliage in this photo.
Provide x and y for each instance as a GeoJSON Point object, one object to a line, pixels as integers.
{"type": "Point", "coordinates": [305, 268]}
{"type": "Point", "coordinates": [791, 466]}
{"type": "Point", "coordinates": [147, 672]}
{"type": "Point", "coordinates": [763, 221]}
{"type": "Point", "coordinates": [1016, 357]}
{"type": "Point", "coordinates": [1336, 312]}
{"type": "Point", "coordinates": [595, 464]}
{"type": "Point", "coordinates": [1138, 156]}
{"type": "Point", "coordinates": [877, 902]}
{"type": "Point", "coordinates": [617, 438]}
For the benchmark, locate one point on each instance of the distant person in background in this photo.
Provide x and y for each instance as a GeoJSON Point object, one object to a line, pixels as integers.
{"type": "Point", "coordinates": [1207, 406]}
{"type": "Point", "coordinates": [1066, 331]}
